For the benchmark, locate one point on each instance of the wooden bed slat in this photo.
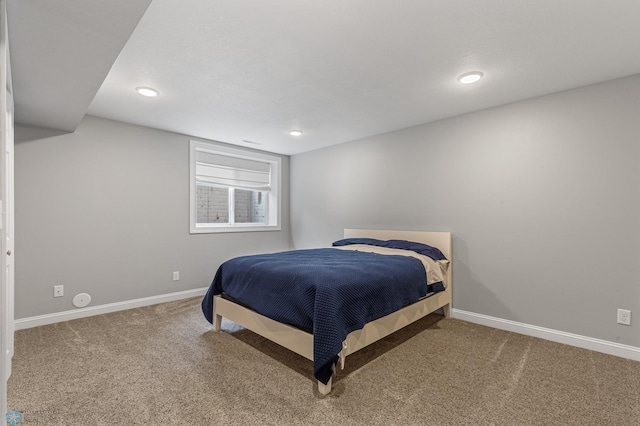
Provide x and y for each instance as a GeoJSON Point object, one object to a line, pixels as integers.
{"type": "Point", "coordinates": [381, 328]}
{"type": "Point", "coordinates": [291, 338]}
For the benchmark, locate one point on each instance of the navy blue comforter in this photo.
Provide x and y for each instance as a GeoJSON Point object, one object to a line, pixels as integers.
{"type": "Point", "coordinates": [329, 291]}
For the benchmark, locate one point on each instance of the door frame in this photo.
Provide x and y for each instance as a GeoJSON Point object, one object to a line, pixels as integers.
{"type": "Point", "coordinates": [6, 211]}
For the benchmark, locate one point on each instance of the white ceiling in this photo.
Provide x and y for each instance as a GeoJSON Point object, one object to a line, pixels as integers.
{"type": "Point", "coordinates": [251, 70]}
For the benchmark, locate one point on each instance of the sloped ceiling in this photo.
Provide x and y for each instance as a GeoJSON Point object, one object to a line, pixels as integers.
{"type": "Point", "coordinates": [61, 52]}
{"type": "Point", "coordinates": [246, 72]}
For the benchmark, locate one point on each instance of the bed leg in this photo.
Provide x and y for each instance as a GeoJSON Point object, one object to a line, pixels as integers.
{"type": "Point", "coordinates": [446, 310]}
{"type": "Point", "coordinates": [217, 322]}
{"type": "Point", "coordinates": [217, 319]}
{"type": "Point", "coordinates": [324, 389]}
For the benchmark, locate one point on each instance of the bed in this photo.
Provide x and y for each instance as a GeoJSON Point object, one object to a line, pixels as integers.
{"type": "Point", "coordinates": [327, 339]}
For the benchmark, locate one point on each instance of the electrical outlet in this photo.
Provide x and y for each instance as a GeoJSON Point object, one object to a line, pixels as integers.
{"type": "Point", "coordinates": [624, 316]}
{"type": "Point", "coordinates": [58, 290]}
{"type": "Point", "coordinates": [176, 275]}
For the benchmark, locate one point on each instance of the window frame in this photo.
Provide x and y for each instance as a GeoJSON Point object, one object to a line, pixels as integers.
{"type": "Point", "coordinates": [274, 195]}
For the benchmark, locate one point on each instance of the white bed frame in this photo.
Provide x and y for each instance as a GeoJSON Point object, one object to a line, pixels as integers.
{"type": "Point", "coordinates": [301, 342]}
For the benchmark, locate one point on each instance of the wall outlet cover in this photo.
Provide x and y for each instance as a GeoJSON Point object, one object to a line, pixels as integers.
{"type": "Point", "coordinates": [624, 316]}
{"type": "Point", "coordinates": [58, 290]}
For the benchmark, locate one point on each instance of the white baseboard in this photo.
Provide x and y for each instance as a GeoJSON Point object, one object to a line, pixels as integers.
{"type": "Point", "coordinates": [604, 346]}
{"type": "Point", "coordinates": [104, 309]}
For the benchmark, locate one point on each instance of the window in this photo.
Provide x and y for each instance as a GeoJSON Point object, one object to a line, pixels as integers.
{"type": "Point", "coordinates": [233, 190]}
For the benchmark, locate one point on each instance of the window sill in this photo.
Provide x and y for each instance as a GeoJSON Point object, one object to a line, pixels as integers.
{"type": "Point", "coordinates": [234, 228]}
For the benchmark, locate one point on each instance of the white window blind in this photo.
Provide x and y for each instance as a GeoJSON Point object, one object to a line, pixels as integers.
{"type": "Point", "coordinates": [233, 171]}
{"type": "Point", "coordinates": [232, 189]}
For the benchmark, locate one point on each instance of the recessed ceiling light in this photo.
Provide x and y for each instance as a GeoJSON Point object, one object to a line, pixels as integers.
{"type": "Point", "coordinates": [470, 77]}
{"type": "Point", "coordinates": [147, 91]}
{"type": "Point", "coordinates": [295, 132]}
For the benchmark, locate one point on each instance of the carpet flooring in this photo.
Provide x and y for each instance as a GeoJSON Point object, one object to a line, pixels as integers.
{"type": "Point", "coordinates": [162, 365]}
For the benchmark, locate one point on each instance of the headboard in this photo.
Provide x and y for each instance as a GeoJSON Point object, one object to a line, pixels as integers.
{"type": "Point", "coordinates": [441, 240]}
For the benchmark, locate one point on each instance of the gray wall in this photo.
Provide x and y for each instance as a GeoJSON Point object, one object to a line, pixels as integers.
{"type": "Point", "coordinates": [541, 197]}
{"type": "Point", "coordinates": [105, 210]}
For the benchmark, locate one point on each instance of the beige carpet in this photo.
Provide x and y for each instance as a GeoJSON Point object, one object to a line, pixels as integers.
{"type": "Point", "coordinates": [161, 365]}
